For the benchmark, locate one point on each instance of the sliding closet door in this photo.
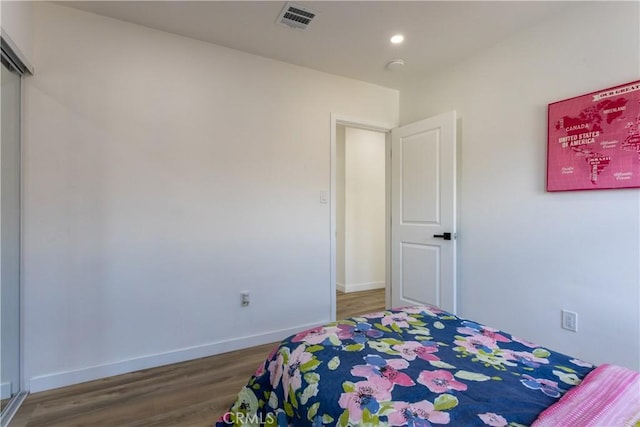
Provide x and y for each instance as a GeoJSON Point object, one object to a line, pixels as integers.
{"type": "Point", "coordinates": [10, 233]}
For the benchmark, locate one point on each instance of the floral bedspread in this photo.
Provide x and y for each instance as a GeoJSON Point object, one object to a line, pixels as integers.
{"type": "Point", "coordinates": [417, 366]}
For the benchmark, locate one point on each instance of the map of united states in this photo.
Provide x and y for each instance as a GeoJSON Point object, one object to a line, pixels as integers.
{"type": "Point", "coordinates": [593, 138]}
{"type": "Point", "coordinates": [583, 130]}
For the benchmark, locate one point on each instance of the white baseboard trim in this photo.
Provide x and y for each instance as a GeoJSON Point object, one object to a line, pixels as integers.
{"type": "Point", "coordinates": [5, 390]}
{"type": "Point", "coordinates": [340, 287]}
{"type": "Point", "coordinates": [62, 379]}
{"type": "Point", "coordinates": [356, 287]}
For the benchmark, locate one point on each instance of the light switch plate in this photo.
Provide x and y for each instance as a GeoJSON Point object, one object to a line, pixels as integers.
{"type": "Point", "coordinates": [324, 197]}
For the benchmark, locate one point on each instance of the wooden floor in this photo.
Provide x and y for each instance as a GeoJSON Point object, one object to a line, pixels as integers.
{"type": "Point", "coordinates": [352, 304]}
{"type": "Point", "coordinates": [193, 393]}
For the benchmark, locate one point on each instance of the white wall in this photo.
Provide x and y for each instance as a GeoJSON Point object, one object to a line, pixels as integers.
{"type": "Point", "coordinates": [17, 20]}
{"type": "Point", "coordinates": [364, 235]}
{"type": "Point", "coordinates": [525, 254]}
{"type": "Point", "coordinates": [164, 176]}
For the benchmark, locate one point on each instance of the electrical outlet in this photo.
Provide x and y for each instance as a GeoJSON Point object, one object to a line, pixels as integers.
{"type": "Point", "coordinates": [570, 320]}
{"type": "Point", "coordinates": [245, 298]}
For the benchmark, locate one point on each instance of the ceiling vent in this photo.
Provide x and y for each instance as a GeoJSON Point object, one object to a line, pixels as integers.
{"type": "Point", "coordinates": [296, 16]}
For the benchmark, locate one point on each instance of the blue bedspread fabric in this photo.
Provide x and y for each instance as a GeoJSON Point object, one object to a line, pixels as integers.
{"type": "Point", "coordinates": [416, 366]}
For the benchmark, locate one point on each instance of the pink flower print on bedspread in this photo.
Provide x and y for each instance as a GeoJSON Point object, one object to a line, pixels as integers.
{"type": "Point", "coordinates": [419, 414]}
{"type": "Point", "coordinates": [411, 349]}
{"type": "Point", "coordinates": [548, 387]}
{"type": "Point", "coordinates": [376, 315]}
{"type": "Point", "coordinates": [525, 358]}
{"type": "Point", "coordinates": [525, 342]}
{"type": "Point", "coordinates": [476, 343]}
{"type": "Point", "coordinates": [363, 395]}
{"type": "Point", "coordinates": [429, 310]}
{"type": "Point", "coordinates": [292, 376]}
{"type": "Point", "coordinates": [319, 335]}
{"type": "Point", "coordinates": [276, 368]}
{"type": "Point", "coordinates": [359, 333]}
{"type": "Point", "coordinates": [476, 329]}
{"type": "Point", "coordinates": [440, 381]}
{"type": "Point", "coordinates": [401, 320]}
{"type": "Point", "coordinates": [493, 420]}
{"type": "Point", "coordinates": [383, 371]}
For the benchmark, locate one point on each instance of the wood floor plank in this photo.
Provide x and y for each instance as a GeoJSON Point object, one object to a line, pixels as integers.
{"type": "Point", "coordinates": [355, 303]}
{"type": "Point", "coordinates": [193, 393]}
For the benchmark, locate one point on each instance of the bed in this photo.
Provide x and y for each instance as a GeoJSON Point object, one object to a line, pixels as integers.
{"type": "Point", "coordinates": [421, 366]}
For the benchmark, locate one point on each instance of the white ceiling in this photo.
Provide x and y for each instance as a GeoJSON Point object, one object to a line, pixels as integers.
{"type": "Point", "coordinates": [348, 38]}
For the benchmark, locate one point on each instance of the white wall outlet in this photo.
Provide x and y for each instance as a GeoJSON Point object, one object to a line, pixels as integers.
{"type": "Point", "coordinates": [245, 298]}
{"type": "Point", "coordinates": [570, 320]}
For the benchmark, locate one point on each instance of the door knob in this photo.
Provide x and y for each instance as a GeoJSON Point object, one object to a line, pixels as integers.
{"type": "Point", "coordinates": [445, 236]}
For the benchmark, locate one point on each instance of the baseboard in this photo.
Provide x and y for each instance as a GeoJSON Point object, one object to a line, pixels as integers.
{"type": "Point", "coordinates": [357, 287]}
{"type": "Point", "coordinates": [340, 287]}
{"type": "Point", "coordinates": [5, 390]}
{"type": "Point", "coordinates": [62, 379]}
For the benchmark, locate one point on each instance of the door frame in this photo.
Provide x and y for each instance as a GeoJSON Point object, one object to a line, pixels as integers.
{"type": "Point", "coordinates": [338, 119]}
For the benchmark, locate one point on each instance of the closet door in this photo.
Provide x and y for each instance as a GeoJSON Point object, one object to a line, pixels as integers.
{"type": "Point", "coordinates": [10, 233]}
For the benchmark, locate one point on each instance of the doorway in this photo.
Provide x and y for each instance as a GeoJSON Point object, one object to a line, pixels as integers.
{"type": "Point", "coordinates": [360, 209]}
{"type": "Point", "coordinates": [360, 196]}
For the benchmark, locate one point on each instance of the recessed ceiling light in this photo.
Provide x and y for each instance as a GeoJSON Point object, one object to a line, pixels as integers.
{"type": "Point", "coordinates": [397, 39]}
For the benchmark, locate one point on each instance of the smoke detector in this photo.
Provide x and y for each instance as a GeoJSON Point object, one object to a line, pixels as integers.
{"type": "Point", "coordinates": [296, 16]}
{"type": "Point", "coordinates": [395, 64]}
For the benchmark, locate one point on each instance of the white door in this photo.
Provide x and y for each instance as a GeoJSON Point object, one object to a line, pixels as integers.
{"type": "Point", "coordinates": [423, 207]}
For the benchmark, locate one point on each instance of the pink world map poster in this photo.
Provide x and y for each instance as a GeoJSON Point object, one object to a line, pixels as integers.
{"type": "Point", "coordinates": [594, 140]}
